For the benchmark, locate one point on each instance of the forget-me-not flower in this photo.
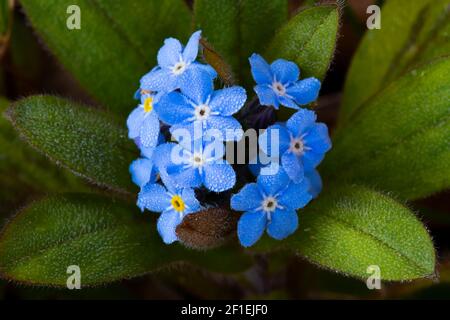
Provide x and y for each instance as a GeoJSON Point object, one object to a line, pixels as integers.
{"type": "Point", "coordinates": [143, 122]}
{"type": "Point", "coordinates": [302, 143]}
{"type": "Point", "coordinates": [198, 103]}
{"type": "Point", "coordinates": [175, 63]}
{"type": "Point", "coordinates": [144, 170]}
{"type": "Point", "coordinates": [279, 83]}
{"type": "Point", "coordinates": [271, 204]}
{"type": "Point", "coordinates": [313, 178]}
{"type": "Point", "coordinates": [197, 164]}
{"type": "Point", "coordinates": [173, 203]}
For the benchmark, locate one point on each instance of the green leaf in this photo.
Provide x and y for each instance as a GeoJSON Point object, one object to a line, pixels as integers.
{"type": "Point", "coordinates": [88, 142]}
{"type": "Point", "coordinates": [400, 141]}
{"type": "Point", "coordinates": [5, 18]}
{"type": "Point", "coordinates": [412, 33]}
{"type": "Point", "coordinates": [236, 29]}
{"type": "Point", "coordinates": [309, 40]}
{"type": "Point", "coordinates": [350, 228]}
{"type": "Point", "coordinates": [117, 42]}
{"type": "Point", "coordinates": [107, 239]}
{"type": "Point", "coordinates": [24, 172]}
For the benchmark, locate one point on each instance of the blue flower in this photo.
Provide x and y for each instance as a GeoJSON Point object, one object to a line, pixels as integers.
{"type": "Point", "coordinates": [143, 170]}
{"type": "Point", "coordinates": [302, 143]}
{"type": "Point", "coordinates": [313, 178]}
{"type": "Point", "coordinates": [197, 164]}
{"type": "Point", "coordinates": [175, 64]}
{"type": "Point", "coordinates": [315, 182]}
{"type": "Point", "coordinates": [198, 103]}
{"type": "Point", "coordinates": [271, 204]}
{"type": "Point", "coordinates": [143, 122]}
{"type": "Point", "coordinates": [278, 83]}
{"type": "Point", "coordinates": [173, 203]}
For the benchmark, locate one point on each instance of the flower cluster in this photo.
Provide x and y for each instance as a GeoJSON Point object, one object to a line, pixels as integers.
{"type": "Point", "coordinates": [272, 201]}
{"type": "Point", "coordinates": [178, 102]}
{"type": "Point", "coordinates": [179, 95]}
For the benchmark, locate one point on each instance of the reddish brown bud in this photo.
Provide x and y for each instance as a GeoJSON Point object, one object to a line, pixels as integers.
{"type": "Point", "coordinates": [207, 229]}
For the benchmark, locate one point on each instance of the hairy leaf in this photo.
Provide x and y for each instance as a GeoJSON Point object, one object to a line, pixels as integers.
{"type": "Point", "coordinates": [117, 42]}
{"type": "Point", "coordinates": [24, 172]}
{"type": "Point", "coordinates": [400, 141]}
{"type": "Point", "coordinates": [86, 141]}
{"type": "Point", "coordinates": [350, 228]}
{"type": "Point", "coordinates": [412, 34]}
{"type": "Point", "coordinates": [308, 39]}
{"type": "Point", "coordinates": [236, 28]}
{"type": "Point", "coordinates": [107, 239]}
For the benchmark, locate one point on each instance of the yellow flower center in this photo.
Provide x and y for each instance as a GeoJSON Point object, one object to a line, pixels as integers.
{"type": "Point", "coordinates": [177, 203]}
{"type": "Point", "coordinates": [148, 104]}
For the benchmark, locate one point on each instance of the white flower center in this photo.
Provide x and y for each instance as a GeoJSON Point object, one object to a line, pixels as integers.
{"type": "Point", "coordinates": [197, 160]}
{"type": "Point", "coordinates": [269, 204]}
{"type": "Point", "coordinates": [297, 146]}
{"type": "Point", "coordinates": [202, 112]}
{"type": "Point", "coordinates": [179, 68]}
{"type": "Point", "coordinates": [278, 88]}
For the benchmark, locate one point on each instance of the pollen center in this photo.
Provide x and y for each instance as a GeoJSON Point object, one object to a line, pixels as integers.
{"type": "Point", "coordinates": [177, 203]}
{"type": "Point", "coordinates": [297, 146]}
{"type": "Point", "coordinates": [278, 88]}
{"type": "Point", "coordinates": [269, 204]}
{"type": "Point", "coordinates": [148, 104]}
{"type": "Point", "coordinates": [202, 112]}
{"type": "Point", "coordinates": [179, 68]}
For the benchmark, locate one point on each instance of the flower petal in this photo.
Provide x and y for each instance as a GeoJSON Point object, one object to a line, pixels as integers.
{"type": "Point", "coordinates": [141, 171]}
{"type": "Point", "coordinates": [285, 101]}
{"type": "Point", "coordinates": [247, 199]}
{"type": "Point", "coordinates": [134, 122]}
{"type": "Point", "coordinates": [159, 80]}
{"type": "Point", "coordinates": [199, 67]}
{"type": "Point", "coordinates": [188, 196]}
{"type": "Point", "coordinates": [184, 177]}
{"type": "Point", "coordinates": [304, 91]}
{"type": "Point", "coordinates": [228, 101]}
{"type": "Point", "coordinates": [251, 227]}
{"type": "Point", "coordinates": [283, 224]}
{"type": "Point", "coordinates": [174, 108]}
{"type": "Point", "coordinates": [191, 50]}
{"type": "Point", "coordinates": [301, 121]}
{"type": "Point", "coordinates": [312, 159]}
{"type": "Point", "coordinates": [315, 182]}
{"type": "Point", "coordinates": [147, 152]}
{"type": "Point", "coordinates": [275, 140]}
{"type": "Point", "coordinates": [149, 134]}
{"type": "Point", "coordinates": [153, 197]}
{"type": "Point", "coordinates": [273, 184]}
{"type": "Point", "coordinates": [170, 53]}
{"type": "Point", "coordinates": [318, 139]}
{"type": "Point", "coordinates": [219, 177]}
{"type": "Point", "coordinates": [296, 195]}
{"type": "Point", "coordinates": [260, 69]}
{"type": "Point", "coordinates": [293, 166]}
{"type": "Point", "coordinates": [266, 96]}
{"type": "Point", "coordinates": [167, 226]}
{"type": "Point", "coordinates": [285, 71]}
{"type": "Point", "coordinates": [197, 85]}
{"type": "Point", "coordinates": [230, 128]}
{"type": "Point", "coordinates": [162, 153]}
